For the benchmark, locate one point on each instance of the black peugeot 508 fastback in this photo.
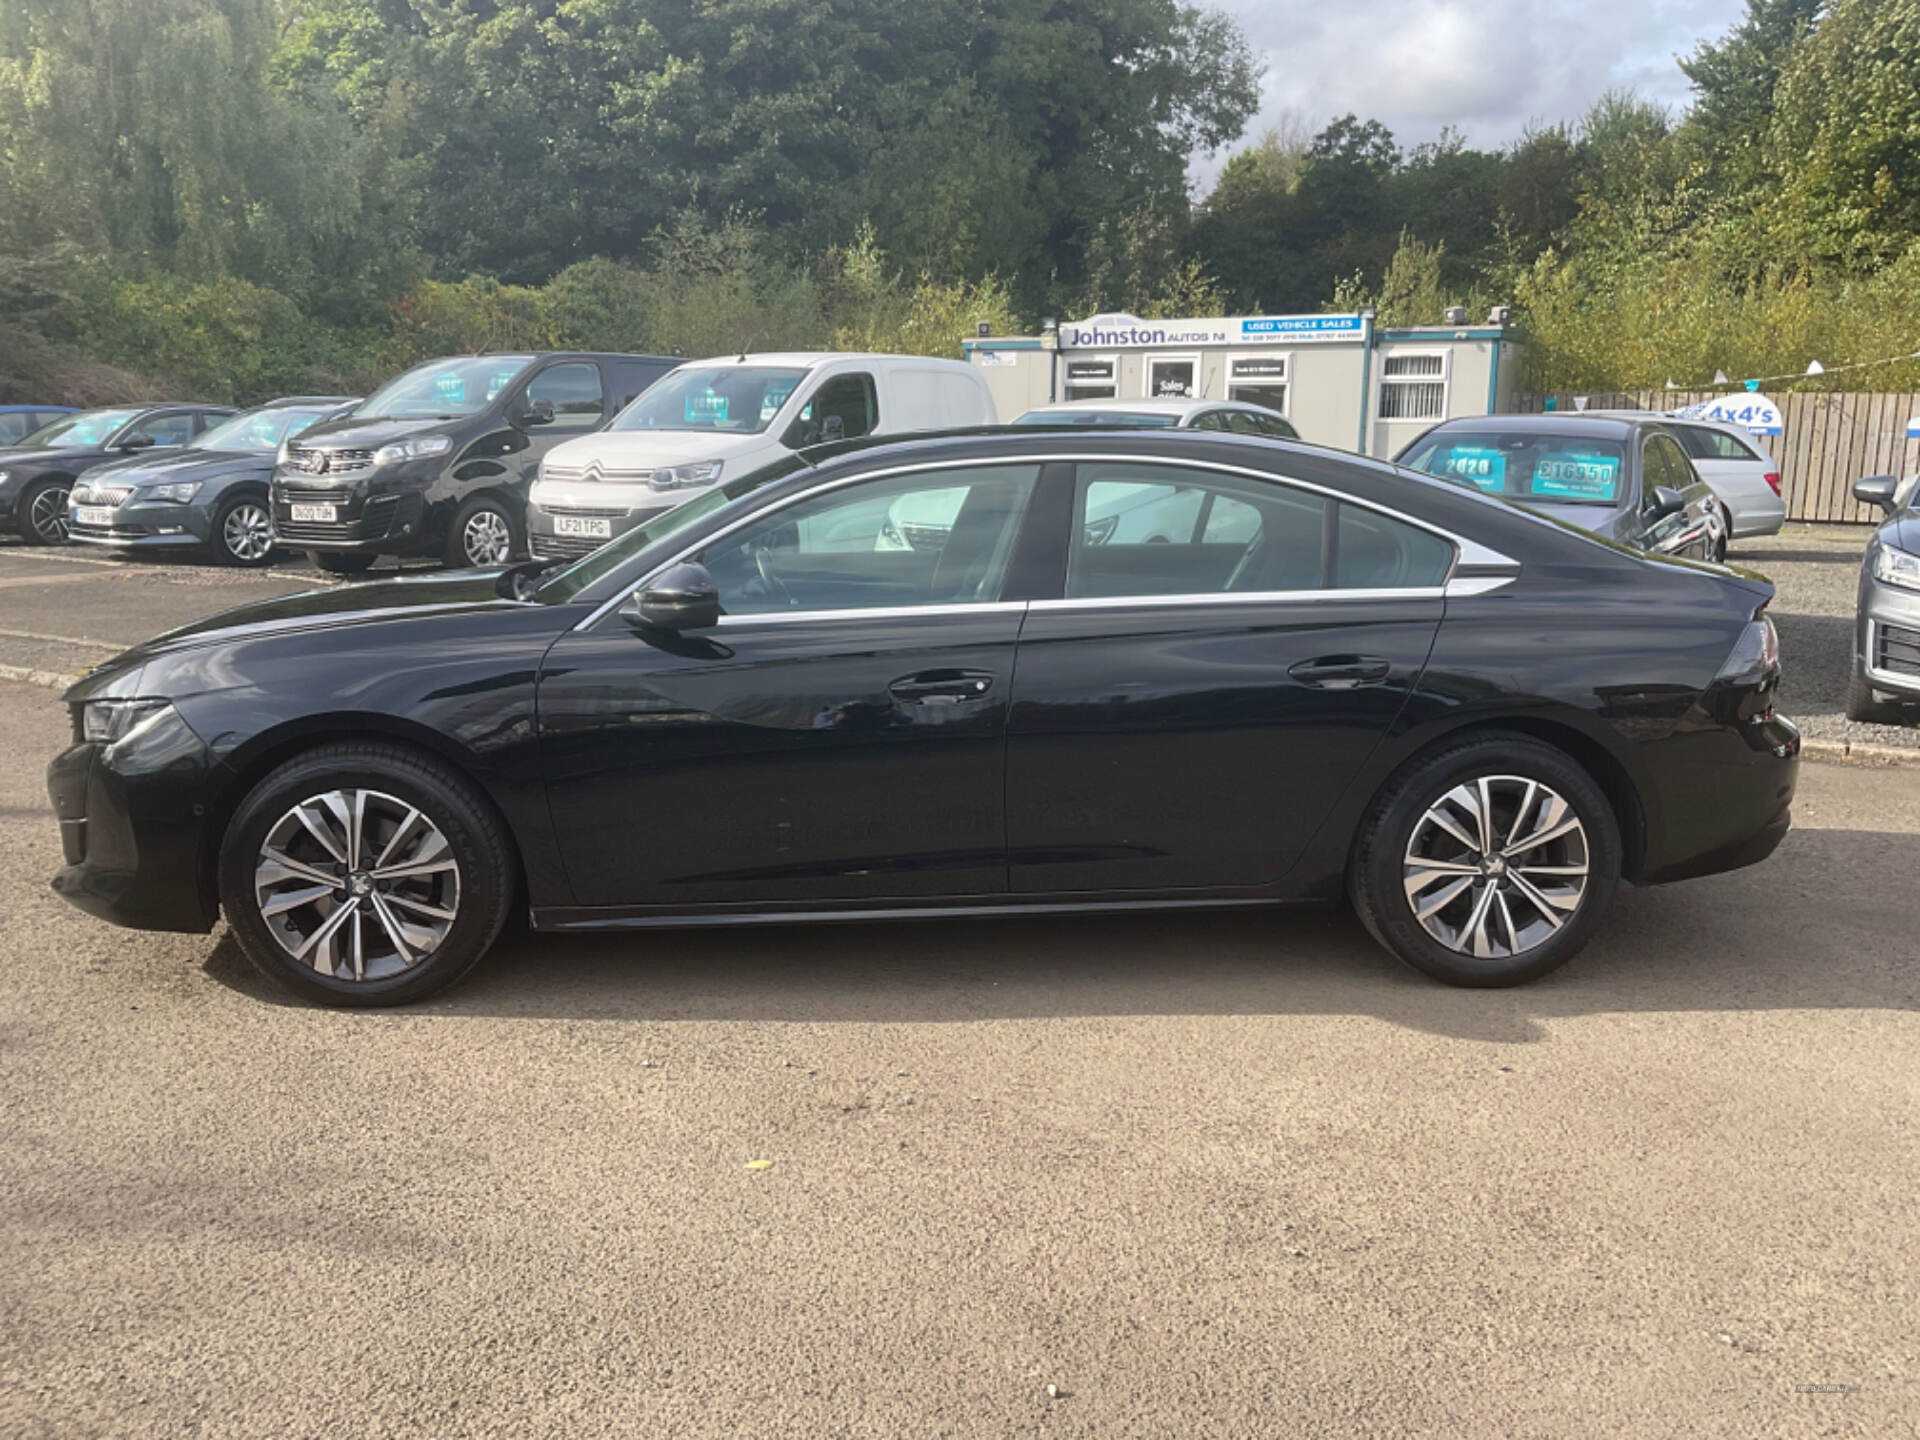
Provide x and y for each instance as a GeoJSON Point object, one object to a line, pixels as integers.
{"type": "Point", "coordinates": [970, 674]}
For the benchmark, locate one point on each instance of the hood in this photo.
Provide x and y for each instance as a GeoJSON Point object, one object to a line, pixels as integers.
{"type": "Point", "coordinates": [149, 468]}
{"type": "Point", "coordinates": [645, 449]}
{"type": "Point", "coordinates": [334, 607]}
{"type": "Point", "coordinates": [373, 432]}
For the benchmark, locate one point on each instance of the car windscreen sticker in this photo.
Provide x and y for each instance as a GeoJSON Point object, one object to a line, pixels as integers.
{"type": "Point", "coordinates": [1479, 465]}
{"type": "Point", "coordinates": [706, 408]}
{"type": "Point", "coordinates": [773, 398]}
{"type": "Point", "coordinates": [451, 387]}
{"type": "Point", "coordinates": [498, 381]}
{"type": "Point", "coordinates": [1576, 475]}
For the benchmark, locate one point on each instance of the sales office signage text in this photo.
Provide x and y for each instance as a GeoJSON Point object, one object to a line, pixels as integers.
{"type": "Point", "coordinates": [1255, 330]}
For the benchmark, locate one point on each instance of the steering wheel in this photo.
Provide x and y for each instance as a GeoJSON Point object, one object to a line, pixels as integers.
{"type": "Point", "coordinates": [776, 587]}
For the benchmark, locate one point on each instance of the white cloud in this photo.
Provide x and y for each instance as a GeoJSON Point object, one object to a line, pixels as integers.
{"type": "Point", "coordinates": [1489, 67]}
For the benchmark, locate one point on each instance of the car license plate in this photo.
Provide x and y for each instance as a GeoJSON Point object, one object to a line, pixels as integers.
{"type": "Point", "coordinates": [316, 512]}
{"type": "Point", "coordinates": [584, 526]}
{"type": "Point", "coordinates": [93, 514]}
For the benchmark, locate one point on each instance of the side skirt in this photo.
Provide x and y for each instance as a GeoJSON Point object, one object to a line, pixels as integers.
{"type": "Point", "coordinates": [582, 919]}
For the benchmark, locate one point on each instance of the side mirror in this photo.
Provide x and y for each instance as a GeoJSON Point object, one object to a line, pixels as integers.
{"type": "Point", "coordinates": [1667, 501]}
{"type": "Point", "coordinates": [1876, 490]}
{"type": "Point", "coordinates": [142, 441]}
{"type": "Point", "coordinates": [685, 598]}
{"type": "Point", "coordinates": [536, 412]}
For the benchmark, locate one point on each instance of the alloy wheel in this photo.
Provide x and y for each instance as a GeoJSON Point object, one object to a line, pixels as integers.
{"type": "Point", "coordinates": [357, 885]}
{"type": "Point", "coordinates": [1496, 866]}
{"type": "Point", "coordinates": [47, 514]}
{"type": "Point", "coordinates": [488, 539]}
{"type": "Point", "coordinates": [248, 532]}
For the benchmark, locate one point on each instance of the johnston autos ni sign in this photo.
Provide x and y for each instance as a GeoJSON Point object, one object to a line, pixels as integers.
{"type": "Point", "coordinates": [1125, 331]}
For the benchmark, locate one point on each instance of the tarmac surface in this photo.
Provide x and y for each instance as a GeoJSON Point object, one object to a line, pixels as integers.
{"type": "Point", "coordinates": [1237, 1175]}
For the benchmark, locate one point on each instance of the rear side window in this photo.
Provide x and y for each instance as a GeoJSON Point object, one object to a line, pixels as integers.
{"type": "Point", "coordinates": [1705, 443]}
{"type": "Point", "coordinates": [1160, 530]}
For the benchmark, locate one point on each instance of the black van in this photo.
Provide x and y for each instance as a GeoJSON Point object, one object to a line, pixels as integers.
{"type": "Point", "coordinates": [438, 461]}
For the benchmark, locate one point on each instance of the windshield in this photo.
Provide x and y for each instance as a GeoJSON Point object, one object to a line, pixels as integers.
{"type": "Point", "coordinates": [608, 558]}
{"type": "Point", "coordinates": [1146, 419]}
{"type": "Point", "coordinates": [444, 389]}
{"type": "Point", "coordinates": [729, 399]}
{"type": "Point", "coordinates": [89, 427]}
{"type": "Point", "coordinates": [1536, 465]}
{"type": "Point", "coordinates": [260, 430]}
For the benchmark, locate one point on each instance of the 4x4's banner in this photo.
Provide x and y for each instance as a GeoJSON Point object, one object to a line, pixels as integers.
{"type": "Point", "coordinates": [1757, 413]}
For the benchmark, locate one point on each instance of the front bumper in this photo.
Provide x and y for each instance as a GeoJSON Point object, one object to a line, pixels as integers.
{"type": "Point", "coordinates": [132, 825]}
{"type": "Point", "coordinates": [156, 525]}
{"type": "Point", "coordinates": [381, 521]}
{"type": "Point", "coordinates": [546, 542]}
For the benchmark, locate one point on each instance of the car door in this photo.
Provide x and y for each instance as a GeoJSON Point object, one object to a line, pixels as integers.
{"type": "Point", "coordinates": [1189, 707]}
{"type": "Point", "coordinates": [576, 391]}
{"type": "Point", "coordinates": [840, 735]}
{"type": "Point", "coordinates": [1663, 462]}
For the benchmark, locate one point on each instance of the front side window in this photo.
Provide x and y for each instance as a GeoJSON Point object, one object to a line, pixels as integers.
{"type": "Point", "coordinates": [843, 408]}
{"type": "Point", "coordinates": [940, 537]}
{"type": "Point", "coordinates": [1541, 466]}
{"type": "Point", "coordinates": [89, 427]}
{"type": "Point", "coordinates": [166, 430]}
{"type": "Point", "coordinates": [444, 389]}
{"type": "Point", "coordinates": [1664, 463]}
{"type": "Point", "coordinates": [574, 392]}
{"type": "Point", "coordinates": [1413, 386]}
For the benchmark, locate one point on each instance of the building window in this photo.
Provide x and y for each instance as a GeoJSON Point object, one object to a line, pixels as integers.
{"type": "Point", "coordinates": [1173, 377]}
{"type": "Point", "coordinates": [1260, 380]}
{"type": "Point", "coordinates": [1413, 385]}
{"type": "Point", "coordinates": [1093, 379]}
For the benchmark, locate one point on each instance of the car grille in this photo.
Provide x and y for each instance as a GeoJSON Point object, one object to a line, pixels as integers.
{"type": "Point", "coordinates": [305, 458]}
{"type": "Point", "coordinates": [85, 494]}
{"type": "Point", "coordinates": [562, 547]}
{"type": "Point", "coordinates": [597, 470]}
{"type": "Point", "coordinates": [600, 512]}
{"type": "Point", "coordinates": [1896, 649]}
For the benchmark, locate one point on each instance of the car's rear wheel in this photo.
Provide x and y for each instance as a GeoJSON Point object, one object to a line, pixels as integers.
{"type": "Point", "coordinates": [341, 562]}
{"type": "Point", "coordinates": [243, 531]}
{"type": "Point", "coordinates": [484, 533]}
{"type": "Point", "coordinates": [365, 874]}
{"type": "Point", "coordinates": [43, 512]}
{"type": "Point", "coordinates": [1487, 862]}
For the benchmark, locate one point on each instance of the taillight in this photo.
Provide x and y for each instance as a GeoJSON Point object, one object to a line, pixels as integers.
{"type": "Point", "coordinates": [1773, 481]}
{"type": "Point", "coordinates": [1755, 656]}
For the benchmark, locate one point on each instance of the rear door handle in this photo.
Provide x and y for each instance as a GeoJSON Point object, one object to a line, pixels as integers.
{"type": "Point", "coordinates": [942, 687]}
{"type": "Point", "coordinates": [1341, 672]}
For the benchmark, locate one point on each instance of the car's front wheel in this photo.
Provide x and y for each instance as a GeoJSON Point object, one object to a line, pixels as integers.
{"type": "Point", "coordinates": [365, 874]}
{"type": "Point", "coordinates": [43, 513]}
{"type": "Point", "coordinates": [243, 531]}
{"type": "Point", "coordinates": [1487, 862]}
{"type": "Point", "coordinates": [484, 533]}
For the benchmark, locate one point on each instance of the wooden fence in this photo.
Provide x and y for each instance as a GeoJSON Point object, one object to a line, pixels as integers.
{"type": "Point", "coordinates": [1831, 440]}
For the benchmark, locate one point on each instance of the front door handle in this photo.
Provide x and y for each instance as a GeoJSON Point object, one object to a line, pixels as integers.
{"type": "Point", "coordinates": [942, 687]}
{"type": "Point", "coordinates": [1341, 672]}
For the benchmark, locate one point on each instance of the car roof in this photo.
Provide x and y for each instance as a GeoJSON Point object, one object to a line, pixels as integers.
{"type": "Point", "coordinates": [1548, 423]}
{"type": "Point", "coordinates": [807, 359]}
{"type": "Point", "coordinates": [1156, 406]}
{"type": "Point", "coordinates": [1731, 427]}
{"type": "Point", "coordinates": [15, 409]}
{"type": "Point", "coordinates": [555, 355]}
{"type": "Point", "coordinates": [280, 400]}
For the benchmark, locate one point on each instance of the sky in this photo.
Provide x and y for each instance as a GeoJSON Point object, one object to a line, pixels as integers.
{"type": "Point", "coordinates": [1487, 67]}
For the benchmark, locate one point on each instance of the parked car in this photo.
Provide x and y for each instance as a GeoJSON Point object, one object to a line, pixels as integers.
{"type": "Point", "coordinates": [1885, 687]}
{"type": "Point", "coordinates": [36, 474]}
{"type": "Point", "coordinates": [1471, 721]}
{"type": "Point", "coordinates": [725, 417]}
{"type": "Point", "coordinates": [438, 460]}
{"type": "Point", "coordinates": [212, 496]}
{"type": "Point", "coordinates": [1628, 480]}
{"type": "Point", "coordinates": [1234, 416]}
{"type": "Point", "coordinates": [19, 421]}
{"type": "Point", "coordinates": [1744, 477]}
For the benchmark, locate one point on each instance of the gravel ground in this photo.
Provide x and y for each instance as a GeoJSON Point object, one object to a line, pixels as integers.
{"type": "Point", "coordinates": [1817, 572]}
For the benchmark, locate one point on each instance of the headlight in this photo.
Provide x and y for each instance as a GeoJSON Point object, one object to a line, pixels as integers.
{"type": "Point", "coordinates": [1896, 567]}
{"type": "Point", "coordinates": [105, 721]}
{"type": "Point", "coordinates": [686, 477]}
{"type": "Point", "coordinates": [178, 491]}
{"type": "Point", "coordinates": [421, 447]}
{"type": "Point", "coordinates": [280, 455]}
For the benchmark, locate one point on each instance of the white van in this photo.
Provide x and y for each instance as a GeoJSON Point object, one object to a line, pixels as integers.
{"type": "Point", "coordinates": [709, 420]}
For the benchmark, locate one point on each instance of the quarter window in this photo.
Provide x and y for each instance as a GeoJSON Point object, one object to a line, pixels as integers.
{"type": "Point", "coordinates": [1378, 552]}
{"type": "Point", "coordinates": [574, 392]}
{"type": "Point", "coordinates": [1413, 386]}
{"type": "Point", "coordinates": [941, 537]}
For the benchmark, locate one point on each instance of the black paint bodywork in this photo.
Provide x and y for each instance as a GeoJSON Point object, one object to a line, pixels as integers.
{"type": "Point", "coordinates": [406, 509]}
{"type": "Point", "coordinates": [1120, 755]}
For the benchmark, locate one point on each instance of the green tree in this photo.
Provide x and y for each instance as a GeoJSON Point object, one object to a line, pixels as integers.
{"type": "Point", "coordinates": [1734, 81]}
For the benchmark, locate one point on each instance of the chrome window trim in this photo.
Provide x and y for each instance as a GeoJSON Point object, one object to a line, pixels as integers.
{"type": "Point", "coordinates": [877, 612]}
{"type": "Point", "coordinates": [1468, 553]}
{"type": "Point", "coordinates": [1237, 597]}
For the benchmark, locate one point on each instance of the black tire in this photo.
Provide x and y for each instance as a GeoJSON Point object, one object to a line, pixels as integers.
{"type": "Point", "coordinates": [341, 562]}
{"type": "Point", "coordinates": [1726, 537]}
{"type": "Point", "coordinates": [475, 838]}
{"type": "Point", "coordinates": [240, 524]}
{"type": "Point", "coordinates": [1376, 878]}
{"type": "Point", "coordinates": [42, 514]}
{"type": "Point", "coordinates": [486, 521]}
{"type": "Point", "coordinates": [1862, 704]}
